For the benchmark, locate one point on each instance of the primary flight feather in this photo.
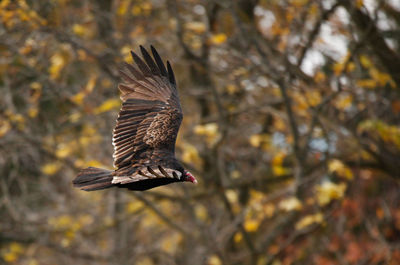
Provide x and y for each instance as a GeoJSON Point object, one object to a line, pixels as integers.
{"type": "Point", "coordinates": [145, 135]}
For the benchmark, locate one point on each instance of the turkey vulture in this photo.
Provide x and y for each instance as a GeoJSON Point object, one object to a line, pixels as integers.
{"type": "Point", "coordinates": [145, 134]}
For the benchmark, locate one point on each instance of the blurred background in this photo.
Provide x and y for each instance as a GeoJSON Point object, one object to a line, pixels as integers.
{"type": "Point", "coordinates": [292, 113]}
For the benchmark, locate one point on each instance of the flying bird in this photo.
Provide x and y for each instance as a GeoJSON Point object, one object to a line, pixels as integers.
{"type": "Point", "coordinates": [145, 135]}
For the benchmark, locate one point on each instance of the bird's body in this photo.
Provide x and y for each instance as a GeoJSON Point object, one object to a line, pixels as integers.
{"type": "Point", "coordinates": [145, 135]}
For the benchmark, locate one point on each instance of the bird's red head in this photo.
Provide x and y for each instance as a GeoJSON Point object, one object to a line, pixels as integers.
{"type": "Point", "coordinates": [190, 177]}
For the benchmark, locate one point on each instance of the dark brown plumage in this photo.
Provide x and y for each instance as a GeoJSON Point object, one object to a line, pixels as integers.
{"type": "Point", "coordinates": [145, 135]}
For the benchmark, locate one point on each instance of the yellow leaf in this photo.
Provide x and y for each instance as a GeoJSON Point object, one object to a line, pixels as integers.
{"type": "Point", "coordinates": [232, 196]}
{"type": "Point", "coordinates": [88, 138]}
{"type": "Point", "coordinates": [190, 155]}
{"type": "Point", "coordinates": [106, 83]}
{"type": "Point", "coordinates": [5, 126]}
{"type": "Point", "coordinates": [74, 117]}
{"type": "Point", "coordinates": [338, 68]}
{"type": "Point", "coordinates": [367, 83]}
{"type": "Point", "coordinates": [4, 4]}
{"type": "Point", "coordinates": [94, 163]}
{"type": "Point", "coordinates": [279, 124]}
{"type": "Point", "coordinates": [33, 262]}
{"type": "Point", "coordinates": [16, 248]}
{"type": "Point", "coordinates": [290, 204]}
{"type": "Point", "coordinates": [256, 195]}
{"type": "Point", "coordinates": [78, 97]}
{"type": "Point", "coordinates": [195, 41]}
{"type": "Point", "coordinates": [79, 30]}
{"type": "Point", "coordinates": [201, 212]}
{"type": "Point", "coordinates": [36, 86]}
{"type": "Point", "coordinates": [231, 89]}
{"type": "Point", "coordinates": [90, 84]}
{"type": "Point", "coordinates": [313, 10]}
{"type": "Point", "coordinates": [276, 29]}
{"type": "Point", "coordinates": [64, 150]}
{"type": "Point", "coordinates": [90, 163]}
{"type": "Point", "coordinates": [238, 237]}
{"type": "Point", "coordinates": [79, 163]}
{"type": "Point", "coordinates": [170, 243]}
{"type": "Point", "coordinates": [329, 191]}
{"type": "Point", "coordinates": [260, 140]}
{"type": "Point", "coordinates": [206, 129]}
{"type": "Point", "coordinates": [255, 140]}
{"type": "Point", "coordinates": [274, 262]}
{"type": "Point", "coordinates": [280, 171]}
{"type": "Point", "coordinates": [86, 219]}
{"type": "Point", "coordinates": [214, 260]}
{"type": "Point", "coordinates": [143, 8]}
{"type": "Point", "coordinates": [108, 105]}
{"type": "Point", "coordinates": [65, 242]}
{"type": "Point", "coordinates": [210, 130]}
{"type": "Point", "coordinates": [299, 3]}
{"type": "Point", "coordinates": [33, 112]}
{"type": "Point", "coordinates": [269, 209]}
{"type": "Point", "coordinates": [61, 222]}
{"type": "Point", "coordinates": [146, 7]}
{"type": "Point", "coordinates": [388, 133]}
{"type": "Point", "coordinates": [197, 27]}
{"type": "Point", "coordinates": [126, 53]}
{"type": "Point", "coordinates": [344, 101]}
{"type": "Point", "coordinates": [241, 71]}
{"type": "Point", "coordinates": [381, 78]}
{"type": "Point", "coordinates": [339, 168]}
{"type": "Point", "coordinates": [108, 221]}
{"type": "Point", "coordinates": [123, 8]}
{"type": "Point", "coordinates": [235, 174]}
{"type": "Point", "coordinates": [16, 118]}
{"type": "Point", "coordinates": [278, 158]}
{"type": "Point", "coordinates": [50, 168]}
{"type": "Point", "coordinates": [313, 97]}
{"type": "Point", "coordinates": [10, 257]}
{"type": "Point", "coordinates": [319, 77]}
{"type": "Point", "coordinates": [365, 61]}
{"type": "Point", "coordinates": [335, 165]}
{"type": "Point", "coordinates": [350, 67]}
{"type": "Point", "coordinates": [134, 206]}
{"type": "Point", "coordinates": [89, 130]}
{"type": "Point", "coordinates": [218, 39]}
{"type": "Point", "coordinates": [251, 225]}
{"type": "Point", "coordinates": [69, 234]}
{"type": "Point", "coordinates": [57, 63]}
{"type": "Point", "coordinates": [136, 10]}
{"type": "Point", "coordinates": [309, 220]}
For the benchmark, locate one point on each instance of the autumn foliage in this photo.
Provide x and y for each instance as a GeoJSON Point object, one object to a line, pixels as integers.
{"type": "Point", "coordinates": [291, 125]}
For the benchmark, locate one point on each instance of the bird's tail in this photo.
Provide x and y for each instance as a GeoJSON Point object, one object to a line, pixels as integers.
{"type": "Point", "coordinates": [92, 178]}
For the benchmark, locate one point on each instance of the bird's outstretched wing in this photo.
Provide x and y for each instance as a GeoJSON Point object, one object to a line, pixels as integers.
{"type": "Point", "coordinates": [148, 122]}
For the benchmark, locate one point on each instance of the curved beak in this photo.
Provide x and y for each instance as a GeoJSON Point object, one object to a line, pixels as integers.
{"type": "Point", "coordinates": [192, 179]}
{"type": "Point", "coordinates": [189, 177]}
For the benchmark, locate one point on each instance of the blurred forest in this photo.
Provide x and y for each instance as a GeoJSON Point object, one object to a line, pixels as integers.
{"type": "Point", "coordinates": [292, 113]}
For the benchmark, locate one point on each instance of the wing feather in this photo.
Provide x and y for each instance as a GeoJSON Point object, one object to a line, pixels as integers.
{"type": "Point", "coordinates": [138, 75]}
{"type": "Point", "coordinates": [171, 75]}
{"type": "Point", "coordinates": [159, 61]}
{"type": "Point", "coordinates": [153, 67]}
{"type": "Point", "coordinates": [142, 66]}
{"type": "Point", "coordinates": [126, 77]}
{"type": "Point", "coordinates": [148, 122]}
